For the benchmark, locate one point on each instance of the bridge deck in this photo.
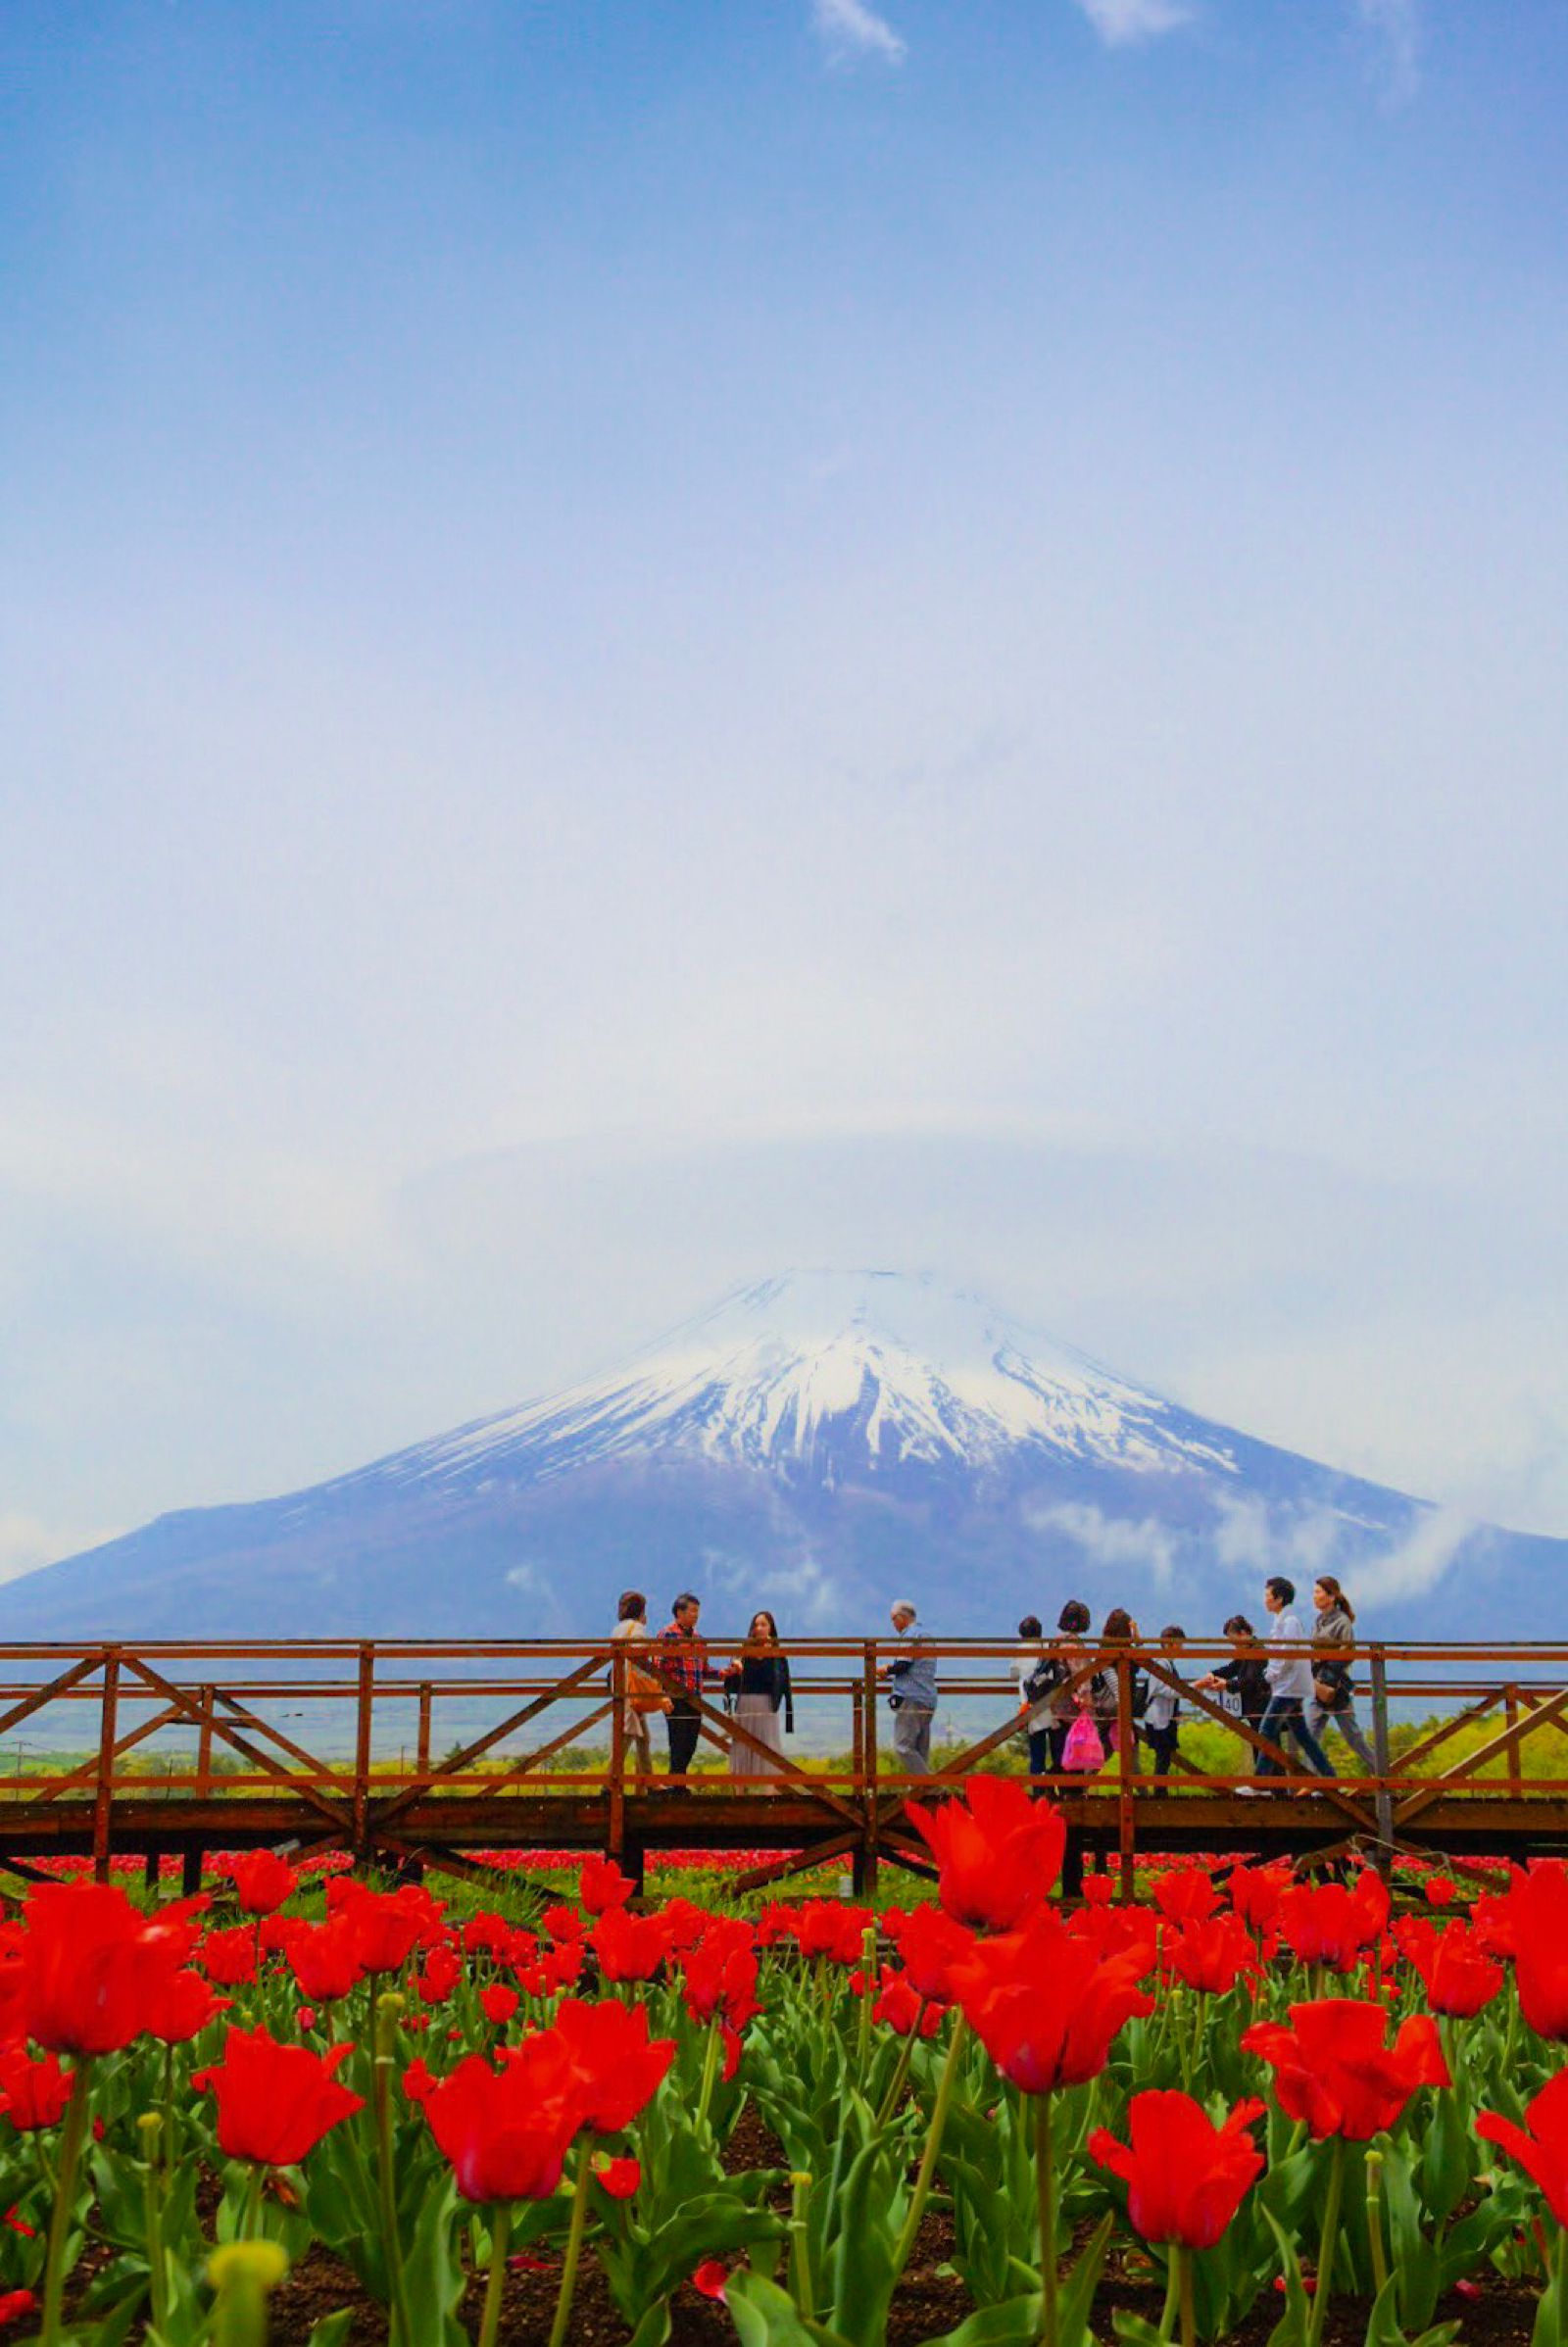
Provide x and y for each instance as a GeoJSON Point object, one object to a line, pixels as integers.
{"type": "Point", "coordinates": [180, 1750]}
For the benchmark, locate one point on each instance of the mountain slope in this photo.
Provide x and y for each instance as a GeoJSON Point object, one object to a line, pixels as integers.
{"type": "Point", "coordinates": [819, 1443]}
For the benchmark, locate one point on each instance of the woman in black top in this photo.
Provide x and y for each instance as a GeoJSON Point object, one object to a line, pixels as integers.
{"type": "Point", "coordinates": [1242, 1685]}
{"type": "Point", "coordinates": [765, 1703]}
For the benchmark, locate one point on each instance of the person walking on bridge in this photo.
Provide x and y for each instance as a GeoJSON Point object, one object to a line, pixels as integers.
{"type": "Point", "coordinates": [1333, 1699]}
{"type": "Point", "coordinates": [1290, 1683]}
{"type": "Point", "coordinates": [686, 1670]}
{"type": "Point", "coordinates": [912, 1695]}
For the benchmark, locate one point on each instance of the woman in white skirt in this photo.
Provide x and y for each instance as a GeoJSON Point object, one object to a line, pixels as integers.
{"type": "Point", "coordinates": [759, 1680]}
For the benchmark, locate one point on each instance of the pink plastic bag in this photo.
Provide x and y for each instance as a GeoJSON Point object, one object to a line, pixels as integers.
{"type": "Point", "coordinates": [1082, 1748]}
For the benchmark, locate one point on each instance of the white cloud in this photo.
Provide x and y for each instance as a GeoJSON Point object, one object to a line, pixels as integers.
{"type": "Point", "coordinates": [1248, 1535]}
{"type": "Point", "coordinates": [1394, 28]}
{"type": "Point", "coordinates": [1126, 24]}
{"type": "Point", "coordinates": [851, 29]}
{"type": "Point", "coordinates": [1419, 1563]}
{"type": "Point", "coordinates": [26, 1543]}
{"type": "Point", "coordinates": [1112, 1542]}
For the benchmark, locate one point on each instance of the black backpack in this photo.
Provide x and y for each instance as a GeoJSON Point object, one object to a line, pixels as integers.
{"type": "Point", "coordinates": [1047, 1675]}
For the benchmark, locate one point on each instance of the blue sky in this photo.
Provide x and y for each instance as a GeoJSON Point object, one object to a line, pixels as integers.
{"type": "Point", "coordinates": [640, 644]}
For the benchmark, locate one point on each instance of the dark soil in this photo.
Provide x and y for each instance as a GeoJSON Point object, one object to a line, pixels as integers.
{"type": "Point", "coordinates": [931, 2300]}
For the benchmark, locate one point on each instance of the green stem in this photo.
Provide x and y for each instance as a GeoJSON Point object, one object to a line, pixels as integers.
{"type": "Point", "coordinates": [167, 2149]}
{"type": "Point", "coordinates": [933, 2145]}
{"type": "Point", "coordinates": [709, 2069]}
{"type": "Point", "coordinates": [72, 2137]}
{"type": "Point", "coordinates": [1173, 2292]}
{"type": "Point", "coordinates": [402, 2327]}
{"type": "Point", "coordinates": [568, 2265]}
{"type": "Point", "coordinates": [889, 2100]}
{"type": "Point", "coordinates": [863, 2051]}
{"type": "Point", "coordinates": [1374, 2221]}
{"type": "Point", "coordinates": [251, 2220]}
{"type": "Point", "coordinates": [500, 2234]}
{"type": "Point", "coordinates": [1046, 2186]}
{"type": "Point", "coordinates": [150, 2128]}
{"type": "Point", "coordinates": [1560, 2262]}
{"type": "Point", "coordinates": [1184, 2263]}
{"type": "Point", "coordinates": [1328, 2243]}
{"type": "Point", "coordinates": [801, 2286]}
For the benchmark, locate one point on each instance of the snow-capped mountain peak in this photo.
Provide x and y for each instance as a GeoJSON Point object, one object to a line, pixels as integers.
{"type": "Point", "coordinates": [821, 1374]}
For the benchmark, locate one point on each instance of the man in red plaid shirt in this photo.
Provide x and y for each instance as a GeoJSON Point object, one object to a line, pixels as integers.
{"type": "Point", "coordinates": [685, 1669]}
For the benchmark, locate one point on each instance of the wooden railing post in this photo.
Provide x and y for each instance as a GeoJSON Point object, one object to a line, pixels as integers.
{"type": "Point", "coordinates": [617, 1752]}
{"type": "Point", "coordinates": [421, 1756]}
{"type": "Point", "coordinates": [1382, 1799]}
{"type": "Point", "coordinates": [206, 1697]}
{"type": "Point", "coordinates": [363, 1722]}
{"type": "Point", "coordinates": [1510, 1703]}
{"type": "Point", "coordinates": [1126, 1756]}
{"type": "Point", "coordinates": [104, 1795]}
{"type": "Point", "coordinates": [866, 1872]}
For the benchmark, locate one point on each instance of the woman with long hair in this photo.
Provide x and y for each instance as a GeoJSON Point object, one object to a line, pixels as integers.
{"type": "Point", "coordinates": [1119, 1630]}
{"type": "Point", "coordinates": [645, 1691]}
{"type": "Point", "coordinates": [1333, 1702]}
{"type": "Point", "coordinates": [765, 1703]}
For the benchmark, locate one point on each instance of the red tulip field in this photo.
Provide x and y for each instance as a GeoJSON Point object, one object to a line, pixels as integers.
{"type": "Point", "coordinates": [1245, 2107]}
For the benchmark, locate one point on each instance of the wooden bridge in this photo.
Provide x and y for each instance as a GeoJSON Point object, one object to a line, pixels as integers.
{"type": "Point", "coordinates": [411, 1756]}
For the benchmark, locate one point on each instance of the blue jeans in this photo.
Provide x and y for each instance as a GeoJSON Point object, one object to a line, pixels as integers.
{"type": "Point", "coordinates": [1284, 1719]}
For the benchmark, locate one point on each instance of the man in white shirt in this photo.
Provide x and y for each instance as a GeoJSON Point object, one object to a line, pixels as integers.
{"type": "Point", "coordinates": [1290, 1682]}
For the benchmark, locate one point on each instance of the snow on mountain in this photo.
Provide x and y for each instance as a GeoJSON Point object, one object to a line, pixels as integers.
{"type": "Point", "coordinates": [818, 1443]}
{"type": "Point", "coordinates": [816, 1370]}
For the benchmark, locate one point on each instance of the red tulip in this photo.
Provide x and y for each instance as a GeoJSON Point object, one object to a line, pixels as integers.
{"type": "Point", "coordinates": [383, 1926]}
{"type": "Point", "coordinates": [620, 2178]}
{"type": "Point", "coordinates": [181, 2007]}
{"type": "Point", "coordinates": [999, 1851]}
{"type": "Point", "coordinates": [601, 1885]}
{"type": "Point", "coordinates": [1186, 2177]}
{"type": "Point", "coordinates": [506, 2132]}
{"type": "Point", "coordinates": [1186, 1894]}
{"type": "Point", "coordinates": [929, 1944]}
{"type": "Point", "coordinates": [325, 1959]}
{"type": "Point", "coordinates": [1457, 1977]}
{"type": "Point", "coordinates": [1212, 1956]}
{"type": "Point", "coordinates": [1045, 2005]}
{"type": "Point", "coordinates": [275, 2102]}
{"type": "Point", "coordinates": [32, 2094]}
{"type": "Point", "coordinates": [720, 1978]}
{"type": "Point", "coordinates": [228, 1958]}
{"type": "Point", "coordinates": [1537, 1912]}
{"type": "Point", "coordinates": [711, 2278]}
{"type": "Point", "coordinates": [630, 1948]}
{"type": "Point", "coordinates": [901, 2007]}
{"type": "Point", "coordinates": [617, 2067]}
{"type": "Point", "coordinates": [261, 1880]}
{"type": "Point", "coordinates": [498, 2004]}
{"type": "Point", "coordinates": [1333, 2069]}
{"type": "Point", "coordinates": [822, 1928]}
{"type": "Point", "coordinates": [439, 1975]}
{"type": "Point", "coordinates": [562, 1923]}
{"type": "Point", "coordinates": [1540, 2145]}
{"type": "Point", "coordinates": [88, 1968]}
{"type": "Point", "coordinates": [1255, 1892]}
{"type": "Point", "coordinates": [1326, 1924]}
{"type": "Point", "coordinates": [15, 2303]}
{"type": "Point", "coordinates": [418, 2083]}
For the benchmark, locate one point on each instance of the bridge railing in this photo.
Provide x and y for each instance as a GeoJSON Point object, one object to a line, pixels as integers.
{"type": "Point", "coordinates": [379, 1744]}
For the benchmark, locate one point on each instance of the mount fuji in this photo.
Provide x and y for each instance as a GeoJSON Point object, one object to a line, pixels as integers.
{"type": "Point", "coordinates": [818, 1443]}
